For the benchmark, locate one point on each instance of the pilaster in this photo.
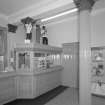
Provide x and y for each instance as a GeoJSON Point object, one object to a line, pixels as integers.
{"type": "Point", "coordinates": [84, 7]}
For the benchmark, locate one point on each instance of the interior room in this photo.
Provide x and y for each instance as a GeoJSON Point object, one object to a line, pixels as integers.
{"type": "Point", "coordinates": [52, 52]}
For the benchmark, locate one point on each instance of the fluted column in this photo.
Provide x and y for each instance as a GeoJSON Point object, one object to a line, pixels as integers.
{"type": "Point", "coordinates": [85, 7]}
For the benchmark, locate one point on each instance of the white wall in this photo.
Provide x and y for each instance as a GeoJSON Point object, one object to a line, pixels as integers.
{"type": "Point", "coordinates": [66, 31]}
{"type": "Point", "coordinates": [98, 29]}
{"type": "Point", "coordinates": [71, 65]}
{"type": "Point", "coordinates": [3, 22]}
{"type": "Point", "coordinates": [17, 37]}
{"type": "Point", "coordinates": [63, 31]}
{"type": "Point", "coordinates": [14, 38]}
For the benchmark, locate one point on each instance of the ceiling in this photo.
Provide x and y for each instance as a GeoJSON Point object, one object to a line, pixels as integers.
{"type": "Point", "coordinates": [16, 9]}
{"type": "Point", "coordinates": [9, 7]}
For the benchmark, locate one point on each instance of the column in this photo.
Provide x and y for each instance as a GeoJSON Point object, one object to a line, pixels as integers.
{"type": "Point", "coordinates": [85, 7]}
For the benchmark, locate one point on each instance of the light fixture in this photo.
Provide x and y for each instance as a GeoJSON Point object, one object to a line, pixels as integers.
{"type": "Point", "coordinates": [60, 14]}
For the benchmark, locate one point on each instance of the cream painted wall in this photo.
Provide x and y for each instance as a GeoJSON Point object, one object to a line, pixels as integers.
{"type": "Point", "coordinates": [63, 31]}
{"type": "Point", "coordinates": [14, 38]}
{"type": "Point", "coordinates": [3, 22]}
{"type": "Point", "coordinates": [66, 31]}
{"type": "Point", "coordinates": [17, 37]}
{"type": "Point", "coordinates": [98, 29]}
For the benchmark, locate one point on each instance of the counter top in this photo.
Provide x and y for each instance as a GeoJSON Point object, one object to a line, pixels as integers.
{"type": "Point", "coordinates": [7, 74]}
{"type": "Point", "coordinates": [40, 71]}
{"type": "Point", "coordinates": [37, 72]}
{"type": "Point", "coordinates": [52, 69]}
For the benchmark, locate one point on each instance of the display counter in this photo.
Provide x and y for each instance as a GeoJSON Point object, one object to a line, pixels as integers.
{"type": "Point", "coordinates": [33, 84]}
{"type": "Point", "coordinates": [38, 69]}
{"type": "Point", "coordinates": [24, 85]}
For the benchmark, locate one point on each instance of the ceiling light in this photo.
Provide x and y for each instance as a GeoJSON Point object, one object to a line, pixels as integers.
{"type": "Point", "coordinates": [60, 14]}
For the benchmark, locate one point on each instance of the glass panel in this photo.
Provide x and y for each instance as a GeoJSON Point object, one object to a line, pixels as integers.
{"type": "Point", "coordinates": [24, 60]}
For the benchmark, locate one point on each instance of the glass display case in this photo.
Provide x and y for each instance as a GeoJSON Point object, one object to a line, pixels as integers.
{"type": "Point", "coordinates": [98, 60]}
{"type": "Point", "coordinates": [98, 71]}
{"type": "Point", "coordinates": [24, 60]}
{"type": "Point", "coordinates": [38, 57]}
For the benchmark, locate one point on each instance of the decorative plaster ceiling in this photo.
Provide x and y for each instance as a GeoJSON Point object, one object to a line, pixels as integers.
{"type": "Point", "coordinates": [42, 7]}
{"type": "Point", "coordinates": [9, 7]}
{"type": "Point", "coordinates": [14, 10]}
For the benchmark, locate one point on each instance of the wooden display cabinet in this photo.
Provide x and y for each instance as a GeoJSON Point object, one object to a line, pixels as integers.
{"type": "Point", "coordinates": [36, 69]}
{"type": "Point", "coordinates": [35, 57]}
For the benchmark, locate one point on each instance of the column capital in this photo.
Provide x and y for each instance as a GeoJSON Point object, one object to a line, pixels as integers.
{"type": "Point", "coordinates": [84, 4]}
